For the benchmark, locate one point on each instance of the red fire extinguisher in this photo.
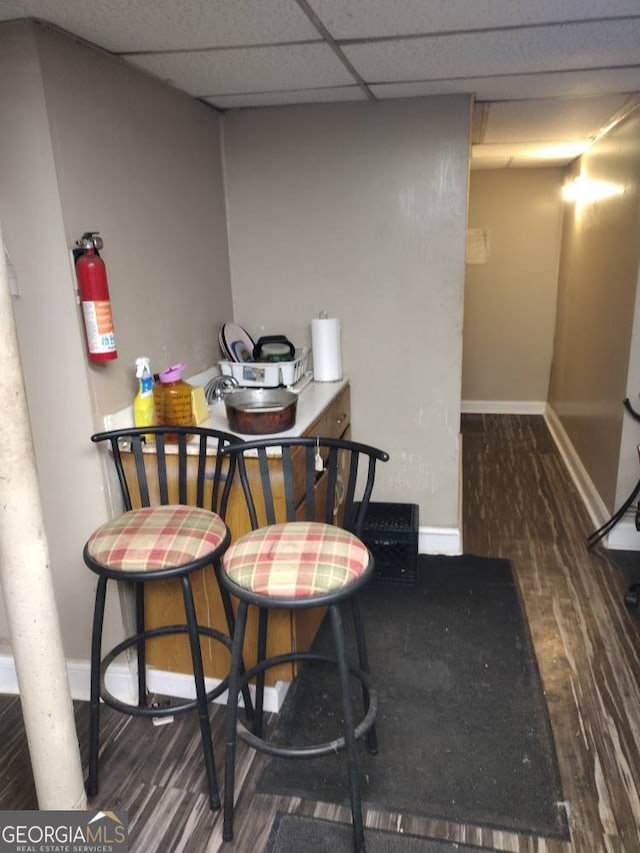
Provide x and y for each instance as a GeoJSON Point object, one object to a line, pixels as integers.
{"type": "Point", "coordinates": [94, 298]}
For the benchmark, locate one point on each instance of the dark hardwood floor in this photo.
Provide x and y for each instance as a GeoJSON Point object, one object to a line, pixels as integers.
{"type": "Point", "coordinates": [520, 504]}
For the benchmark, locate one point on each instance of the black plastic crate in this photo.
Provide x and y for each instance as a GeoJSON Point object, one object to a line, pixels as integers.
{"type": "Point", "coordinates": [391, 534]}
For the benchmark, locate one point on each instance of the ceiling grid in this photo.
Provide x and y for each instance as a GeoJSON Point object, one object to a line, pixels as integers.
{"type": "Point", "coordinates": [546, 76]}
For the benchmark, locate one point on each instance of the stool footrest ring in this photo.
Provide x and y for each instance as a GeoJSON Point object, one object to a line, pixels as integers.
{"type": "Point", "coordinates": [147, 710]}
{"type": "Point", "coordinates": [314, 750]}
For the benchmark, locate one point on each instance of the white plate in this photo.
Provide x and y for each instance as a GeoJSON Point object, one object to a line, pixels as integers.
{"type": "Point", "coordinates": [236, 342]}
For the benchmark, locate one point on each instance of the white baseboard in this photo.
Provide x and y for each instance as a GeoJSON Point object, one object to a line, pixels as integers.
{"type": "Point", "coordinates": [8, 677]}
{"type": "Point", "coordinates": [625, 536]}
{"type": "Point", "coordinates": [121, 682]}
{"type": "Point", "coordinates": [181, 685]}
{"type": "Point", "coordinates": [503, 407]}
{"type": "Point", "coordinates": [444, 540]}
{"type": "Point", "coordinates": [594, 504]}
{"type": "Point", "coordinates": [439, 540]}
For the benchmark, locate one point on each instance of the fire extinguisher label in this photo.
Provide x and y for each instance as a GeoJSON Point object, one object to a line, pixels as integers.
{"type": "Point", "coordinates": [99, 325]}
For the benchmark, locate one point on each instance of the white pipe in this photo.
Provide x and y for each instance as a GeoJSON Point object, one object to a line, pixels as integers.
{"type": "Point", "coordinates": [27, 585]}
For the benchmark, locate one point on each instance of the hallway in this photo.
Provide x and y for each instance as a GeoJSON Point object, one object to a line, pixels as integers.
{"type": "Point", "coordinates": [519, 503]}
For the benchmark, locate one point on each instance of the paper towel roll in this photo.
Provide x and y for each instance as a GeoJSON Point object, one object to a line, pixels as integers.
{"type": "Point", "coordinates": [325, 346]}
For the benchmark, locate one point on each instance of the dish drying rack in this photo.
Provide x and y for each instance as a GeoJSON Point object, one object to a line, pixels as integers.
{"type": "Point", "coordinates": [267, 374]}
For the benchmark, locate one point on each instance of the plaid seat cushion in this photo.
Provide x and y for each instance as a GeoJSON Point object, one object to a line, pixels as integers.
{"type": "Point", "coordinates": [296, 559]}
{"type": "Point", "coordinates": [153, 538]}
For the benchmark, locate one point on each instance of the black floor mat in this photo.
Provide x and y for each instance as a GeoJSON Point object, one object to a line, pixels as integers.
{"type": "Point", "coordinates": [292, 833]}
{"type": "Point", "coordinates": [462, 726]}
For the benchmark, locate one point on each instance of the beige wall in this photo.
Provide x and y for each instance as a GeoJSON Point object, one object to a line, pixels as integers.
{"type": "Point", "coordinates": [510, 301]}
{"type": "Point", "coordinates": [87, 143]}
{"type": "Point", "coordinates": [141, 162]}
{"type": "Point", "coordinates": [360, 209]}
{"type": "Point", "coordinates": [597, 315]}
{"type": "Point", "coordinates": [51, 351]}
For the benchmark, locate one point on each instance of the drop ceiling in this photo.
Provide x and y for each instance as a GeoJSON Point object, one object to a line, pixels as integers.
{"type": "Point", "coordinates": [547, 76]}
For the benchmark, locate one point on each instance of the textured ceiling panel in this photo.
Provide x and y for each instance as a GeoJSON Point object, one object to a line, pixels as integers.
{"type": "Point", "coordinates": [261, 69]}
{"type": "Point", "coordinates": [566, 46]}
{"type": "Point", "coordinates": [500, 156]}
{"type": "Point", "coordinates": [562, 85]}
{"type": "Point", "coordinates": [259, 53]}
{"type": "Point", "coordinates": [298, 96]}
{"type": "Point", "coordinates": [549, 120]}
{"type": "Point", "coordinates": [356, 19]}
{"type": "Point", "coordinates": [132, 25]}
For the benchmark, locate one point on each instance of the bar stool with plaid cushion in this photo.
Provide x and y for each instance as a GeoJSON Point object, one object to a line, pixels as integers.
{"type": "Point", "coordinates": [307, 506]}
{"type": "Point", "coordinates": [172, 490]}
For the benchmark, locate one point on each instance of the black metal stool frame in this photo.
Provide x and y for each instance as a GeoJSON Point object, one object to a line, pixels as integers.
{"type": "Point", "coordinates": [134, 441]}
{"type": "Point", "coordinates": [100, 666]}
{"type": "Point", "coordinates": [354, 520]}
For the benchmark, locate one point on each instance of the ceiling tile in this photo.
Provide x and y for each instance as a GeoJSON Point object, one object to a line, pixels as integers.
{"type": "Point", "coordinates": [566, 46]}
{"type": "Point", "coordinates": [246, 70]}
{"type": "Point", "coordinates": [548, 120]}
{"type": "Point", "coordinates": [136, 25]}
{"type": "Point", "coordinates": [421, 88]}
{"type": "Point", "coordinates": [496, 163]}
{"type": "Point", "coordinates": [260, 53]}
{"type": "Point", "coordinates": [298, 96]}
{"type": "Point", "coordinates": [527, 154]}
{"type": "Point", "coordinates": [519, 86]}
{"type": "Point", "coordinates": [355, 19]}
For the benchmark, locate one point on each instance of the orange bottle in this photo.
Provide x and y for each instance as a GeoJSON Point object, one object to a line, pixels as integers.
{"type": "Point", "coordinates": [172, 400]}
